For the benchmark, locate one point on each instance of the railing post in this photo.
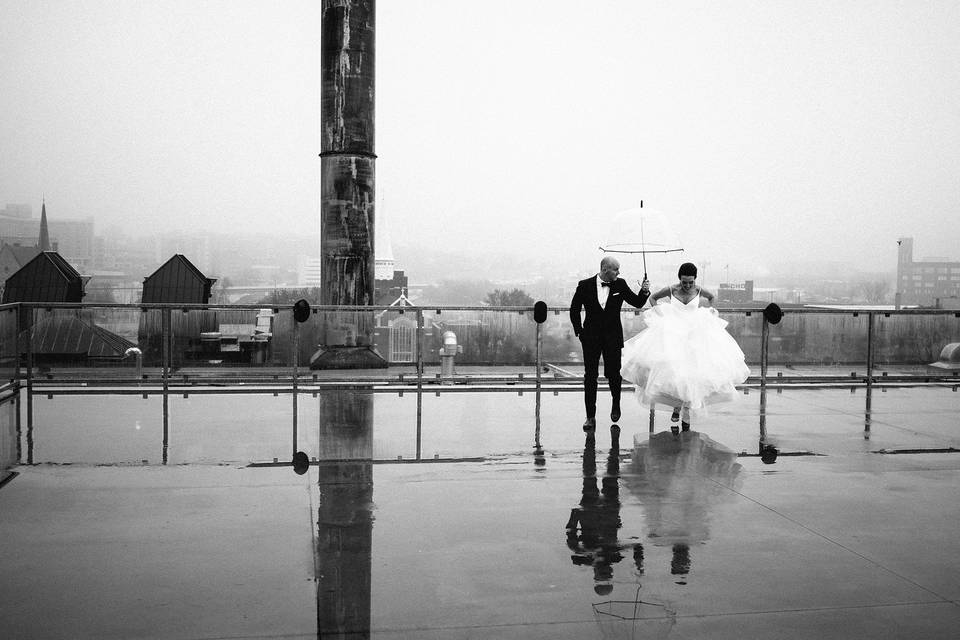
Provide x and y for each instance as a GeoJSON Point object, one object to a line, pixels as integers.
{"type": "Point", "coordinates": [536, 436]}
{"type": "Point", "coordinates": [419, 379]}
{"type": "Point", "coordinates": [18, 403]}
{"type": "Point", "coordinates": [869, 401]}
{"type": "Point", "coordinates": [165, 364]}
{"type": "Point", "coordinates": [296, 376]}
{"type": "Point", "coordinates": [764, 351]}
{"type": "Point", "coordinates": [28, 339]}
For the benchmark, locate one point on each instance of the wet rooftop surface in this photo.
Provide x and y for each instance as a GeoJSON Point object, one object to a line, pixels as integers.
{"type": "Point", "coordinates": [659, 536]}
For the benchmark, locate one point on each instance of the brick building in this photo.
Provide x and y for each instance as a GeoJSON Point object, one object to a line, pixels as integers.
{"type": "Point", "coordinates": [922, 283]}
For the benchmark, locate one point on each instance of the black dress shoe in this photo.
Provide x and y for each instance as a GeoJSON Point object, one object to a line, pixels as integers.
{"type": "Point", "coordinates": [615, 414]}
{"type": "Point", "coordinates": [590, 424]}
{"type": "Point", "coordinates": [685, 426]}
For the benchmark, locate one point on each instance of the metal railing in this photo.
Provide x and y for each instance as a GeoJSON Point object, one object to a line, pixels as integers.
{"type": "Point", "coordinates": [184, 349]}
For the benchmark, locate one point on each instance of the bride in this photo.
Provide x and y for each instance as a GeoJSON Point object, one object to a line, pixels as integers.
{"type": "Point", "coordinates": [683, 358]}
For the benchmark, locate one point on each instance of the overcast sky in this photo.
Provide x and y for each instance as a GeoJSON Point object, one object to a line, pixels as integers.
{"type": "Point", "coordinates": [765, 131]}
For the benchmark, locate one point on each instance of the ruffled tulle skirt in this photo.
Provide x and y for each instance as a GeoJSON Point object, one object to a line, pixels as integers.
{"type": "Point", "coordinates": [683, 357]}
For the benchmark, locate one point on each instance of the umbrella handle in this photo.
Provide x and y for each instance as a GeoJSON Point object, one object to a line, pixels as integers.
{"type": "Point", "coordinates": [644, 242]}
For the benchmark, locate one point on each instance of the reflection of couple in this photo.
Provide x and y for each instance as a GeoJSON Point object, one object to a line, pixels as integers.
{"type": "Point", "coordinates": [592, 529]}
{"type": "Point", "coordinates": [677, 481]}
{"type": "Point", "coordinates": [683, 358]}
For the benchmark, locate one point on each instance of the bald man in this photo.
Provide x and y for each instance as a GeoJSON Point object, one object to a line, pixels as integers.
{"type": "Point", "coordinates": [601, 333]}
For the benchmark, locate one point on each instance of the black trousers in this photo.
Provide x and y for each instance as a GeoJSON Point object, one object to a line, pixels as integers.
{"type": "Point", "coordinates": [595, 347]}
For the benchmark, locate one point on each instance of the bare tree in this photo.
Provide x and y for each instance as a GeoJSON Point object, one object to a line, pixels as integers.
{"type": "Point", "coordinates": [875, 291]}
{"type": "Point", "coordinates": [504, 298]}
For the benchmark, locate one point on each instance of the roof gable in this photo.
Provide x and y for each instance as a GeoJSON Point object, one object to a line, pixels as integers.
{"type": "Point", "coordinates": [48, 277]}
{"type": "Point", "coordinates": [177, 281]}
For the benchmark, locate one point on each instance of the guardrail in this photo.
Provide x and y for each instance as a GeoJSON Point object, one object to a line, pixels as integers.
{"type": "Point", "coordinates": [162, 330]}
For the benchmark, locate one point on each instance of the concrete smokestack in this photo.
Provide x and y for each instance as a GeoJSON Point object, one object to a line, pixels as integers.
{"type": "Point", "coordinates": [347, 193]}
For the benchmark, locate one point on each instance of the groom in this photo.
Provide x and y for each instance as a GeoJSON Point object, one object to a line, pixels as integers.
{"type": "Point", "coordinates": [601, 333]}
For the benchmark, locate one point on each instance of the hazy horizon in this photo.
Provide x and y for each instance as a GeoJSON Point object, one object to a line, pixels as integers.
{"type": "Point", "coordinates": [765, 132]}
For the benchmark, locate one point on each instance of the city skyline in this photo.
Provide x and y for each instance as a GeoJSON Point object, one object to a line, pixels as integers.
{"type": "Point", "coordinates": [27, 224]}
{"type": "Point", "coordinates": [437, 276]}
{"type": "Point", "coordinates": [767, 132]}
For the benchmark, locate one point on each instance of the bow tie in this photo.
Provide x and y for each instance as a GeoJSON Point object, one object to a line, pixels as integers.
{"type": "Point", "coordinates": [607, 284]}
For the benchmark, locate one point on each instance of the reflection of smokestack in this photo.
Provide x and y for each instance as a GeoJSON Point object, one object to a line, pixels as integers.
{"type": "Point", "coordinates": [344, 517]}
{"type": "Point", "coordinates": [345, 548]}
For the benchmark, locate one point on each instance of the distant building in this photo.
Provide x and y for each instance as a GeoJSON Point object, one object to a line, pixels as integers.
{"type": "Point", "coordinates": [389, 290]}
{"type": "Point", "coordinates": [395, 334]}
{"type": "Point", "coordinates": [308, 271]}
{"type": "Point", "coordinates": [109, 286]}
{"type": "Point", "coordinates": [383, 262]}
{"type": "Point", "coordinates": [197, 245]}
{"type": "Point", "coordinates": [389, 284]}
{"type": "Point", "coordinates": [130, 255]}
{"type": "Point", "coordinates": [18, 226]}
{"type": "Point", "coordinates": [23, 211]}
{"type": "Point", "coordinates": [923, 282]}
{"type": "Point", "coordinates": [72, 239]}
{"type": "Point", "coordinates": [14, 256]}
{"type": "Point", "coordinates": [734, 293]}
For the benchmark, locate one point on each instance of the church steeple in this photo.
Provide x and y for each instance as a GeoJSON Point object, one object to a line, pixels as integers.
{"type": "Point", "coordinates": [44, 244]}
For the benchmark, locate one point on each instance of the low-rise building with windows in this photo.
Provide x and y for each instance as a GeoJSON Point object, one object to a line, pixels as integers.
{"type": "Point", "coordinates": [923, 282]}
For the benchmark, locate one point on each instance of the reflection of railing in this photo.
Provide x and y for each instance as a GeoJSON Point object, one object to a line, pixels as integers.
{"type": "Point", "coordinates": [871, 339]}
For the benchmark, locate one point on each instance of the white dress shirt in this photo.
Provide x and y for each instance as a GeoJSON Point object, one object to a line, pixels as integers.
{"type": "Point", "coordinates": [602, 292]}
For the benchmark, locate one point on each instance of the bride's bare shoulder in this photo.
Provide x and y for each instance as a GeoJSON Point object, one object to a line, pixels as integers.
{"type": "Point", "coordinates": [663, 293]}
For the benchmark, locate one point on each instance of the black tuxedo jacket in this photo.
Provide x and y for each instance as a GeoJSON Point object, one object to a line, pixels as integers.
{"type": "Point", "coordinates": [602, 321]}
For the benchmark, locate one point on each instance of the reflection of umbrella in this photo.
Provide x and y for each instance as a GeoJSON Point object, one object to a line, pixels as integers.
{"type": "Point", "coordinates": [628, 618]}
{"type": "Point", "coordinates": [629, 232]}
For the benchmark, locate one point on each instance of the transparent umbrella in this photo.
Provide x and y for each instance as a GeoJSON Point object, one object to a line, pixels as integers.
{"type": "Point", "coordinates": [640, 231]}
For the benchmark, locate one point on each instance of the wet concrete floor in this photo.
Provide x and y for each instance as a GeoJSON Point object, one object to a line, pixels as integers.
{"type": "Point", "coordinates": [638, 536]}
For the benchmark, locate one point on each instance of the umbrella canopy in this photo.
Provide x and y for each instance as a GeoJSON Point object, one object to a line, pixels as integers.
{"type": "Point", "coordinates": [640, 232]}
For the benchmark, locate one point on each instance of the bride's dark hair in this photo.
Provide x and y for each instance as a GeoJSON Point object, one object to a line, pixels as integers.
{"type": "Point", "coordinates": [687, 269]}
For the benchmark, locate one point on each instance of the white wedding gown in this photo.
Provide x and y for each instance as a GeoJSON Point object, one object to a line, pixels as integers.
{"type": "Point", "coordinates": [683, 357]}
